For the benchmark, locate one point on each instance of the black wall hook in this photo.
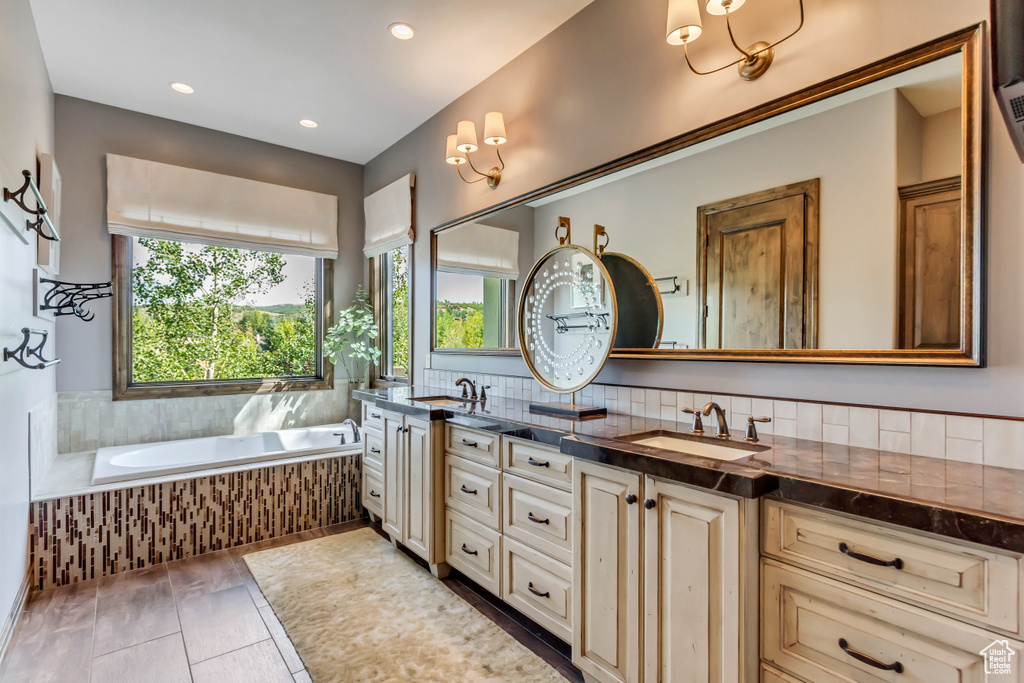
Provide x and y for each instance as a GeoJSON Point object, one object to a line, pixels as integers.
{"type": "Point", "coordinates": [18, 196]}
{"type": "Point", "coordinates": [42, 218]}
{"type": "Point", "coordinates": [23, 352]}
{"type": "Point", "coordinates": [67, 298]}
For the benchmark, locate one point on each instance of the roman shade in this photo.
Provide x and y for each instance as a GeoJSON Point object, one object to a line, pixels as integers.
{"type": "Point", "coordinates": [479, 250]}
{"type": "Point", "coordinates": [388, 214]}
{"type": "Point", "coordinates": [150, 199]}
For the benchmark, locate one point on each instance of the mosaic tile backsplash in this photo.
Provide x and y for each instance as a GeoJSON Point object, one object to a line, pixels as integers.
{"type": "Point", "coordinates": [84, 537]}
{"type": "Point", "coordinates": [92, 419]}
{"type": "Point", "coordinates": [990, 441]}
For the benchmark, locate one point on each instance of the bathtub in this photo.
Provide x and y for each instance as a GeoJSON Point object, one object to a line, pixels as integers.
{"type": "Point", "coordinates": [141, 461]}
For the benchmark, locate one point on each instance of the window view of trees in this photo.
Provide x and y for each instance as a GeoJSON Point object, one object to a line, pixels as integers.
{"type": "Point", "coordinates": [398, 283]}
{"type": "Point", "coordinates": [204, 312]}
{"type": "Point", "coordinates": [460, 325]}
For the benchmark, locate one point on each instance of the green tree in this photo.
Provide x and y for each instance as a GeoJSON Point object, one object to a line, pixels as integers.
{"type": "Point", "coordinates": [399, 310]}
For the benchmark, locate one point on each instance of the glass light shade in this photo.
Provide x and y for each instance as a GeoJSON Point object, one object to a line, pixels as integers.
{"type": "Point", "coordinates": [494, 128]}
{"type": "Point", "coordinates": [466, 137]}
{"type": "Point", "coordinates": [684, 25]}
{"type": "Point", "coordinates": [720, 7]}
{"type": "Point", "coordinates": [451, 153]}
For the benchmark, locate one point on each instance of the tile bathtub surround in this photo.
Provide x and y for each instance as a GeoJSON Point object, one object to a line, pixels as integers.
{"type": "Point", "coordinates": [79, 538]}
{"type": "Point", "coordinates": [988, 441]}
{"type": "Point", "coordinates": [88, 420]}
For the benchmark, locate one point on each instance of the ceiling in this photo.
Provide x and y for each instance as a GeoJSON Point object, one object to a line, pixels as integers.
{"type": "Point", "coordinates": [259, 66]}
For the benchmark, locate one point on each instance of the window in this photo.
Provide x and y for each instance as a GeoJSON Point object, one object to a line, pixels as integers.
{"type": "Point", "coordinates": [473, 312]}
{"type": "Point", "coordinates": [195, 319]}
{"type": "Point", "coordinates": [392, 299]}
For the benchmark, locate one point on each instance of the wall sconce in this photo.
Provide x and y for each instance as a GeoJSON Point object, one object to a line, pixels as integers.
{"type": "Point", "coordinates": [684, 27]}
{"type": "Point", "coordinates": [463, 143]}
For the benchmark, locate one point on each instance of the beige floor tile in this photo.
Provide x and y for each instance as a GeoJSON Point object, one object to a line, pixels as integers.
{"type": "Point", "coordinates": [258, 663]}
{"type": "Point", "coordinates": [130, 617]}
{"type": "Point", "coordinates": [203, 574]}
{"type": "Point", "coordinates": [284, 643]}
{"type": "Point", "coordinates": [158, 661]}
{"type": "Point", "coordinates": [217, 623]}
{"type": "Point", "coordinates": [130, 580]}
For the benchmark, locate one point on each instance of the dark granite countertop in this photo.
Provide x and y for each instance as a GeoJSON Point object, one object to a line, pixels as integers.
{"type": "Point", "coordinates": [966, 501]}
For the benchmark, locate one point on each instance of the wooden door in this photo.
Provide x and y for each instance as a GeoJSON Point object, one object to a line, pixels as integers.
{"type": "Point", "coordinates": [758, 270]}
{"type": "Point", "coordinates": [419, 489]}
{"type": "Point", "coordinates": [606, 572]}
{"type": "Point", "coordinates": [394, 479]}
{"type": "Point", "coordinates": [698, 568]}
{"type": "Point", "coordinates": [930, 265]}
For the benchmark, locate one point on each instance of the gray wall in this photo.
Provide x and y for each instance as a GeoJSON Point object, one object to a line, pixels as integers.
{"type": "Point", "coordinates": [606, 83]}
{"type": "Point", "coordinates": [87, 131]}
{"type": "Point", "coordinates": [26, 129]}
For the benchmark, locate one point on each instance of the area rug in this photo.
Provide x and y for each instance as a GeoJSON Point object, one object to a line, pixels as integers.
{"type": "Point", "coordinates": [358, 609]}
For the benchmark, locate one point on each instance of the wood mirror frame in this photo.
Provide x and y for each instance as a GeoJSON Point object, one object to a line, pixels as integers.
{"type": "Point", "coordinates": [970, 352]}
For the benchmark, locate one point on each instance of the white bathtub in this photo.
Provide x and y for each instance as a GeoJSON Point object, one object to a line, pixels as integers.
{"type": "Point", "coordinates": [124, 463]}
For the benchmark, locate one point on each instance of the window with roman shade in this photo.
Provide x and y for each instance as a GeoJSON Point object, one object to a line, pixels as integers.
{"type": "Point", "coordinates": [479, 250]}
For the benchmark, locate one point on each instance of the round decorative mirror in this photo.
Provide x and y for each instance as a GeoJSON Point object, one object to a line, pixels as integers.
{"type": "Point", "coordinates": [640, 313]}
{"type": "Point", "coordinates": [567, 318]}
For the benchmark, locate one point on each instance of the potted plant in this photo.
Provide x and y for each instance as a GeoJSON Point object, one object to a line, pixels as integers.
{"type": "Point", "coordinates": [351, 339]}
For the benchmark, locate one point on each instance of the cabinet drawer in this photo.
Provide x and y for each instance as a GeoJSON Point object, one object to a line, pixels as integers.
{"type": "Point", "coordinates": [481, 447]}
{"type": "Point", "coordinates": [373, 450]}
{"type": "Point", "coordinates": [373, 492]}
{"type": "Point", "coordinates": [771, 675]}
{"type": "Point", "coordinates": [538, 586]}
{"type": "Point", "coordinates": [539, 516]}
{"type": "Point", "coordinates": [372, 416]}
{"type": "Point", "coordinates": [474, 550]}
{"type": "Point", "coordinates": [539, 463]}
{"type": "Point", "coordinates": [473, 490]}
{"type": "Point", "coordinates": [816, 628]}
{"type": "Point", "coordinates": [968, 582]}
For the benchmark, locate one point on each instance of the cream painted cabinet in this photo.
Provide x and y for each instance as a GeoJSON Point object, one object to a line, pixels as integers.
{"type": "Point", "coordinates": [419, 488]}
{"type": "Point", "coordinates": [394, 464]}
{"type": "Point", "coordinates": [695, 555]}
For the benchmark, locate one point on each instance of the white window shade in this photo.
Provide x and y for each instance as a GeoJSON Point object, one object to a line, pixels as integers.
{"type": "Point", "coordinates": [150, 199]}
{"type": "Point", "coordinates": [389, 217]}
{"type": "Point", "coordinates": [479, 250]}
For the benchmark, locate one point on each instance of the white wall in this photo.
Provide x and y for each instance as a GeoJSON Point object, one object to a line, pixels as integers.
{"type": "Point", "coordinates": [652, 216]}
{"type": "Point", "coordinates": [26, 130]}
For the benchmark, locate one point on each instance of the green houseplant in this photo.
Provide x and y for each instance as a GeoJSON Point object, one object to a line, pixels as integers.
{"type": "Point", "coordinates": [351, 339]}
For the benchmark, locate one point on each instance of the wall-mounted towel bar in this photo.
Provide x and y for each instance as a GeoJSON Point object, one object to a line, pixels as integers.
{"type": "Point", "coordinates": [24, 351]}
{"type": "Point", "coordinates": [40, 212]}
{"type": "Point", "coordinates": [68, 298]}
{"type": "Point", "coordinates": [595, 321]}
{"type": "Point", "coordinates": [669, 285]}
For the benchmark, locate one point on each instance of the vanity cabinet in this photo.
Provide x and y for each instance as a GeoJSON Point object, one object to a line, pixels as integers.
{"type": "Point", "coordinates": [664, 580]}
{"type": "Point", "coordinates": [373, 461]}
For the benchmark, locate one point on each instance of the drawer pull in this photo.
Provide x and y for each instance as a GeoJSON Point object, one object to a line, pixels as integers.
{"type": "Point", "coordinates": [870, 559]}
{"type": "Point", "coordinates": [538, 520]}
{"type": "Point", "coordinates": [374, 494]}
{"type": "Point", "coordinates": [468, 551]}
{"type": "Point", "coordinates": [471, 444]}
{"type": "Point", "coordinates": [465, 490]}
{"type": "Point", "coordinates": [536, 592]}
{"type": "Point", "coordinates": [375, 416]}
{"type": "Point", "coordinates": [867, 659]}
{"type": "Point", "coordinates": [538, 463]}
{"type": "Point", "coordinates": [375, 450]}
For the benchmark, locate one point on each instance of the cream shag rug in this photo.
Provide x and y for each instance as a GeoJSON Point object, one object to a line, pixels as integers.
{"type": "Point", "coordinates": [357, 609]}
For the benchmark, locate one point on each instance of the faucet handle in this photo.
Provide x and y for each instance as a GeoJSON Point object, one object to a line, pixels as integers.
{"type": "Point", "coordinates": [483, 392]}
{"type": "Point", "coordinates": [698, 423]}
{"type": "Point", "coordinates": [752, 430]}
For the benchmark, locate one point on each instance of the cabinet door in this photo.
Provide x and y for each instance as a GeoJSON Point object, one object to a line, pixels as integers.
{"type": "Point", "coordinates": [394, 479]}
{"type": "Point", "coordinates": [606, 572]}
{"type": "Point", "coordinates": [418, 482]}
{"type": "Point", "coordinates": [694, 586]}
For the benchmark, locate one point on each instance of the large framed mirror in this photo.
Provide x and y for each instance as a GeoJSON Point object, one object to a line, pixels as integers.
{"type": "Point", "coordinates": [840, 224]}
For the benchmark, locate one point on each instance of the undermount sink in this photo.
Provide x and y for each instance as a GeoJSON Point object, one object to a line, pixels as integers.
{"type": "Point", "coordinates": [691, 444]}
{"type": "Point", "coordinates": [440, 400]}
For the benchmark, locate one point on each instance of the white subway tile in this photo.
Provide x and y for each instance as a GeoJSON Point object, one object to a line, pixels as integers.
{"type": "Point", "coordinates": [960, 427]}
{"type": "Point", "coordinates": [741, 404]}
{"type": "Point", "coordinates": [897, 442]}
{"type": "Point", "coordinates": [831, 433]}
{"type": "Point", "coordinates": [762, 407]}
{"type": "Point", "coordinates": [784, 427]}
{"type": "Point", "coordinates": [894, 420]}
{"type": "Point", "coordinates": [1004, 443]}
{"type": "Point", "coordinates": [785, 410]}
{"type": "Point", "coordinates": [668, 398]}
{"type": "Point", "coordinates": [835, 415]}
{"type": "Point", "coordinates": [864, 427]}
{"type": "Point", "coordinates": [928, 435]}
{"type": "Point", "coordinates": [808, 421]}
{"type": "Point", "coordinates": [964, 450]}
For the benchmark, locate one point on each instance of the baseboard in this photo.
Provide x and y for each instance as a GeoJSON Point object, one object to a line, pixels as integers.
{"type": "Point", "coordinates": [16, 610]}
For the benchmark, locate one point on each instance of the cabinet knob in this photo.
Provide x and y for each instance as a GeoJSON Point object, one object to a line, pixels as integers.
{"type": "Point", "coordinates": [649, 503]}
{"type": "Point", "coordinates": [630, 498]}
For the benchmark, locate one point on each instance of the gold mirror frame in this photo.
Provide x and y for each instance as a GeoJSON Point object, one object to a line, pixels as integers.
{"type": "Point", "coordinates": [969, 43]}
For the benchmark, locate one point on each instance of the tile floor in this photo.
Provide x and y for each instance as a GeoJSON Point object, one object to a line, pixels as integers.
{"type": "Point", "coordinates": [195, 620]}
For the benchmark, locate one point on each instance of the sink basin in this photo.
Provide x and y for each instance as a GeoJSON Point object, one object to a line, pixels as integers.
{"type": "Point", "coordinates": [691, 444]}
{"type": "Point", "coordinates": [439, 400]}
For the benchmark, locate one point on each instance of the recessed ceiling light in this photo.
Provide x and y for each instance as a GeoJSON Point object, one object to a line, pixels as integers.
{"type": "Point", "coordinates": [183, 88]}
{"type": "Point", "coordinates": [309, 123]}
{"type": "Point", "coordinates": [401, 30]}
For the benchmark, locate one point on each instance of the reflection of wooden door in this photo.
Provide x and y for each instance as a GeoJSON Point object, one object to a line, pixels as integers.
{"type": "Point", "coordinates": [929, 266]}
{"type": "Point", "coordinates": [757, 258]}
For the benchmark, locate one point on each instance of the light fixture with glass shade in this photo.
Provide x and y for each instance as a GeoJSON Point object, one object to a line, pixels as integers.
{"type": "Point", "coordinates": [463, 143]}
{"type": "Point", "coordinates": [685, 26]}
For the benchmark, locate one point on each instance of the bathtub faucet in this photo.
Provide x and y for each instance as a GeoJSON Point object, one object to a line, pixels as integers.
{"type": "Point", "coordinates": [355, 432]}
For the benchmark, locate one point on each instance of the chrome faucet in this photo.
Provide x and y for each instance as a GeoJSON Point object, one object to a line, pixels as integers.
{"type": "Point", "coordinates": [462, 382]}
{"type": "Point", "coordinates": [355, 432]}
{"type": "Point", "coordinates": [723, 426]}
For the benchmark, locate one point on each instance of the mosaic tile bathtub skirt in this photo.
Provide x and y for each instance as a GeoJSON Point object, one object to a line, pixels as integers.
{"type": "Point", "coordinates": [77, 538]}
